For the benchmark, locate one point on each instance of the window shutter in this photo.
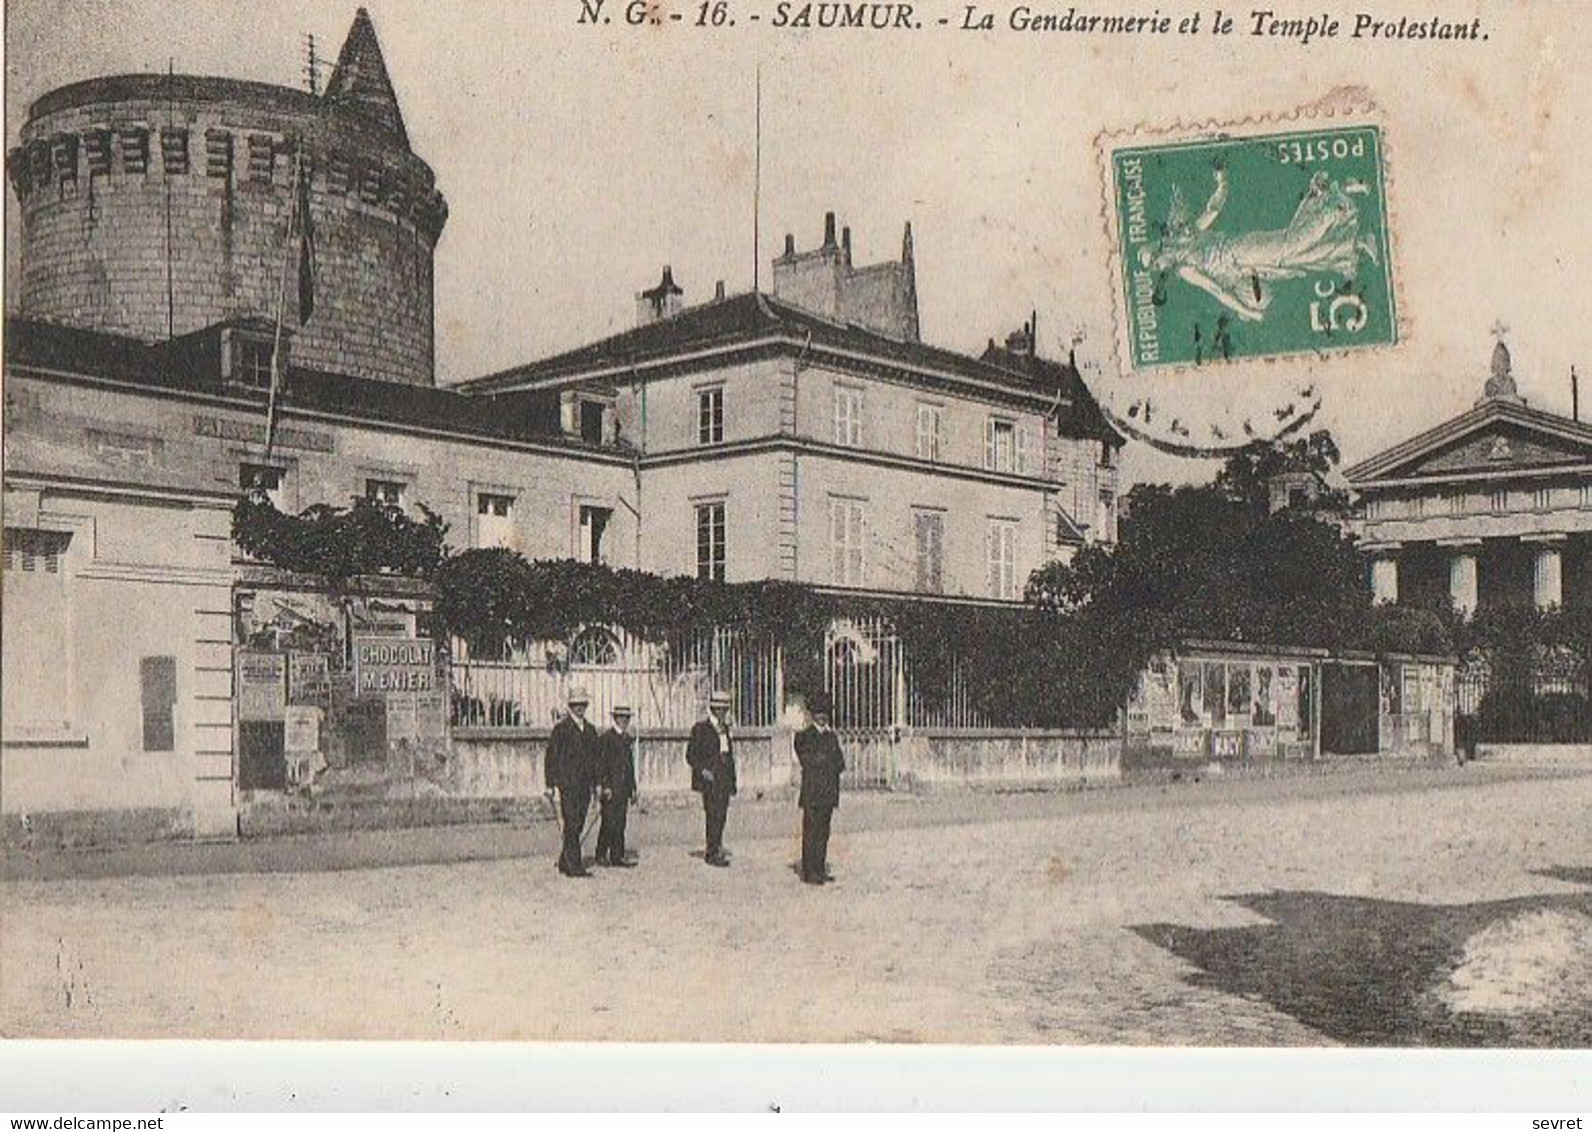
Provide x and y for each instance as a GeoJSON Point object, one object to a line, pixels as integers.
{"type": "Point", "coordinates": [1022, 450]}
{"type": "Point", "coordinates": [989, 443]}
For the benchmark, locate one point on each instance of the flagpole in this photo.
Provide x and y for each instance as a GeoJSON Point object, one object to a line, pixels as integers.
{"type": "Point", "coordinates": [281, 306]}
{"type": "Point", "coordinates": [757, 183]}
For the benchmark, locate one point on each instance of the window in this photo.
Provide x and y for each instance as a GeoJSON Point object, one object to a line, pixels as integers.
{"type": "Point", "coordinates": [1542, 499]}
{"type": "Point", "coordinates": [248, 361]}
{"type": "Point", "coordinates": [1586, 495]}
{"type": "Point", "coordinates": [1108, 517]}
{"type": "Point", "coordinates": [594, 646]}
{"type": "Point", "coordinates": [592, 415]}
{"type": "Point", "coordinates": [258, 480]}
{"type": "Point", "coordinates": [848, 416]}
{"type": "Point", "coordinates": [1456, 503]}
{"type": "Point", "coordinates": [494, 519]}
{"type": "Point", "coordinates": [710, 415]}
{"type": "Point", "coordinates": [1108, 454]}
{"type": "Point", "coordinates": [931, 432]}
{"type": "Point", "coordinates": [1005, 446]}
{"type": "Point", "coordinates": [1001, 548]}
{"type": "Point", "coordinates": [1418, 507]}
{"type": "Point", "coordinates": [36, 621]}
{"type": "Point", "coordinates": [1373, 509]}
{"type": "Point", "coordinates": [1500, 501]}
{"type": "Point", "coordinates": [389, 493]}
{"type": "Point", "coordinates": [593, 525]}
{"type": "Point", "coordinates": [1298, 496]}
{"type": "Point", "coordinates": [710, 541]}
{"type": "Point", "coordinates": [928, 528]}
{"type": "Point", "coordinates": [848, 525]}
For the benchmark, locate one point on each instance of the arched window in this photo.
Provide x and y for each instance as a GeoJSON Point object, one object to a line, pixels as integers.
{"type": "Point", "coordinates": [594, 646]}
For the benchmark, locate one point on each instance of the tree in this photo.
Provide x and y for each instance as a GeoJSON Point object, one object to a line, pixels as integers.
{"type": "Point", "coordinates": [1211, 562]}
{"type": "Point", "coordinates": [1246, 476]}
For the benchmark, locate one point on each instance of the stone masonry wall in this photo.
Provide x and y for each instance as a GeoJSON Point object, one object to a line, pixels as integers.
{"type": "Point", "coordinates": [116, 181]}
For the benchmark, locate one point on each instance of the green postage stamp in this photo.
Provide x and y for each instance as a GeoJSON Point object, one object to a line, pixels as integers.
{"type": "Point", "coordinates": [1252, 247]}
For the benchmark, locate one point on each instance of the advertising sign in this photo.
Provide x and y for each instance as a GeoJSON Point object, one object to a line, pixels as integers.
{"type": "Point", "coordinates": [386, 665]}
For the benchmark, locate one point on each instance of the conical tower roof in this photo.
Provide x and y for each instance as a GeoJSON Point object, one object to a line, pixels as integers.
{"type": "Point", "coordinates": [360, 82]}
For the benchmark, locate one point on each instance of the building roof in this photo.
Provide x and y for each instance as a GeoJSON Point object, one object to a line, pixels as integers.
{"type": "Point", "coordinates": [192, 364]}
{"type": "Point", "coordinates": [1083, 419]}
{"type": "Point", "coordinates": [752, 318]}
{"type": "Point", "coordinates": [360, 81]}
{"type": "Point", "coordinates": [1502, 435]}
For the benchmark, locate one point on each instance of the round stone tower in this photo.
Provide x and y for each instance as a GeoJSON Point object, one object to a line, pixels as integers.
{"type": "Point", "coordinates": [157, 205]}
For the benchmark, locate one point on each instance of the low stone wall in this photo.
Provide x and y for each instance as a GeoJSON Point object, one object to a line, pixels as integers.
{"type": "Point", "coordinates": [1007, 760]}
{"type": "Point", "coordinates": [83, 829]}
{"type": "Point", "coordinates": [1535, 754]}
{"type": "Point", "coordinates": [507, 762]}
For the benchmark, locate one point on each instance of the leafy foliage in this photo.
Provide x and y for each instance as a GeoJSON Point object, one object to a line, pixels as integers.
{"type": "Point", "coordinates": [338, 544]}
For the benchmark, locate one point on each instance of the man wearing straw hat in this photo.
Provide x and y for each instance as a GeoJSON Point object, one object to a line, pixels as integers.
{"type": "Point", "coordinates": [571, 769]}
{"type": "Point", "coordinates": [711, 755]}
{"type": "Point", "coordinates": [616, 788]}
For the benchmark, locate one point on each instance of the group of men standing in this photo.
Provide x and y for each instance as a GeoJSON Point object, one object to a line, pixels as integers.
{"type": "Point", "coordinates": [582, 764]}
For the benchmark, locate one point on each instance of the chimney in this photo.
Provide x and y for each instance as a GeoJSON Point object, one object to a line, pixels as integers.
{"type": "Point", "coordinates": [660, 302]}
{"type": "Point", "coordinates": [718, 291]}
{"type": "Point", "coordinates": [845, 241]}
{"type": "Point", "coordinates": [829, 229]}
{"type": "Point", "coordinates": [790, 246]}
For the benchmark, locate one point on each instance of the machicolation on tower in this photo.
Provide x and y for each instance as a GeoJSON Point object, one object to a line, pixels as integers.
{"type": "Point", "coordinates": [157, 205]}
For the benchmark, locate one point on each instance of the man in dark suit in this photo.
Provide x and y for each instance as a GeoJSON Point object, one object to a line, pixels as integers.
{"type": "Point", "coordinates": [711, 755]}
{"type": "Point", "coordinates": [571, 769]}
{"type": "Point", "coordinates": [818, 752]}
{"type": "Point", "coordinates": [616, 788]}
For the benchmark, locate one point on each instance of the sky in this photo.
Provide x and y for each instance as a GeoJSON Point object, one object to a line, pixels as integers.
{"type": "Point", "coordinates": [578, 160]}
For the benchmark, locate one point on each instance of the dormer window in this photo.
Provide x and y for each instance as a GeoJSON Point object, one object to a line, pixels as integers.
{"type": "Point", "coordinates": [586, 415]}
{"type": "Point", "coordinates": [246, 359]}
{"type": "Point", "coordinates": [591, 421]}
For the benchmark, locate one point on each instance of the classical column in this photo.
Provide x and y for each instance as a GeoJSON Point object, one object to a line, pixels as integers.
{"type": "Point", "coordinates": [1462, 583]}
{"type": "Point", "coordinates": [1384, 578]}
{"type": "Point", "coordinates": [1548, 574]}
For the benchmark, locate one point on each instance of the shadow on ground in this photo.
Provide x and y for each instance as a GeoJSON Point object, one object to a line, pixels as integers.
{"type": "Point", "coordinates": [1370, 972]}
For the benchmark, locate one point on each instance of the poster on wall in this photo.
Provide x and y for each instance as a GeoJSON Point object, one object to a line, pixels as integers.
{"type": "Point", "coordinates": [262, 692]}
{"type": "Point", "coordinates": [1286, 696]}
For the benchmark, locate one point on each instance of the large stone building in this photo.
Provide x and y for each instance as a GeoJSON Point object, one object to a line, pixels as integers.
{"type": "Point", "coordinates": [808, 434]}
{"type": "Point", "coordinates": [833, 447]}
{"type": "Point", "coordinates": [1491, 507]}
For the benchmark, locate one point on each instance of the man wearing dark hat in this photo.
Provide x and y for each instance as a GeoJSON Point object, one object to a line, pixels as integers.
{"type": "Point", "coordinates": [571, 769]}
{"type": "Point", "coordinates": [616, 787]}
{"type": "Point", "coordinates": [711, 756]}
{"type": "Point", "coordinates": [818, 752]}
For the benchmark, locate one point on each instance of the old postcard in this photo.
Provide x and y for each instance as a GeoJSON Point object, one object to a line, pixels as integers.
{"type": "Point", "coordinates": [767, 521]}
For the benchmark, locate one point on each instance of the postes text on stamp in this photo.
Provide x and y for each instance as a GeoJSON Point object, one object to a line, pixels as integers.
{"type": "Point", "coordinates": [1253, 247]}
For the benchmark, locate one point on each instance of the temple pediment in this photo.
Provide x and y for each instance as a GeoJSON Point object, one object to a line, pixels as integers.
{"type": "Point", "coordinates": [1495, 437]}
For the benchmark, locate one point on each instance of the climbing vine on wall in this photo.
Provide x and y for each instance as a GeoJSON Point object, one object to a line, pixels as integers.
{"type": "Point", "coordinates": [337, 544]}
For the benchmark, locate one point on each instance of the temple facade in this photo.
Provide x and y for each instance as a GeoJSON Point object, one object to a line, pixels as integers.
{"type": "Point", "coordinates": [1491, 508]}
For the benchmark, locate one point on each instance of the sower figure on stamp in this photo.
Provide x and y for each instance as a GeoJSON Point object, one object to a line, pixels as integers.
{"type": "Point", "coordinates": [711, 755]}
{"type": "Point", "coordinates": [616, 788]}
{"type": "Point", "coordinates": [571, 769]}
{"type": "Point", "coordinates": [818, 752]}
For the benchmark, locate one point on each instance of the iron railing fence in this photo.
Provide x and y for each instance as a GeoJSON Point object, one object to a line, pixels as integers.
{"type": "Point", "coordinates": [867, 675]}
